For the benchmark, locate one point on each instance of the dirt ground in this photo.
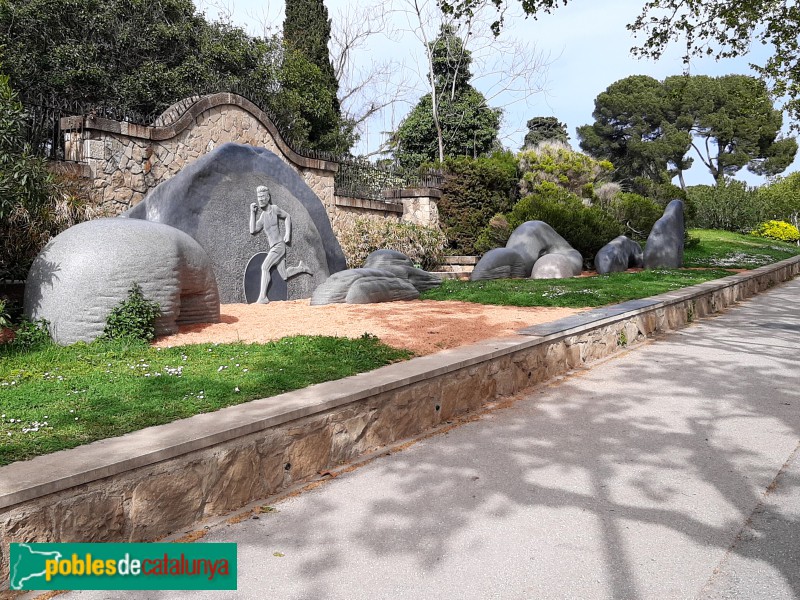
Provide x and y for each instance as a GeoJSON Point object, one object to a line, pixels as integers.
{"type": "Point", "coordinates": [424, 326]}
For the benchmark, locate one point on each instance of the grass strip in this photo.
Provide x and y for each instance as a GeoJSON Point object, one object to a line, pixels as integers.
{"type": "Point", "coordinates": [582, 292]}
{"type": "Point", "coordinates": [724, 249]}
{"type": "Point", "coordinates": [53, 397]}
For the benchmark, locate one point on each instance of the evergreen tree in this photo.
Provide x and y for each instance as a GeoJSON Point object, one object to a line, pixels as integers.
{"type": "Point", "coordinates": [545, 129]}
{"type": "Point", "coordinates": [468, 126]}
{"type": "Point", "coordinates": [307, 30]}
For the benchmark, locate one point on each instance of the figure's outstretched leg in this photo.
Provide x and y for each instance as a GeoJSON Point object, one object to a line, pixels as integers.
{"type": "Point", "coordinates": [300, 268]}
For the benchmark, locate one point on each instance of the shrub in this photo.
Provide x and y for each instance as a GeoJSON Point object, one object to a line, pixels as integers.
{"type": "Point", "coordinates": [133, 318]}
{"type": "Point", "coordinates": [34, 203]}
{"type": "Point", "coordinates": [635, 213]}
{"type": "Point", "coordinates": [731, 205]}
{"type": "Point", "coordinates": [586, 228]}
{"type": "Point", "coordinates": [475, 189]}
{"type": "Point", "coordinates": [556, 162]}
{"type": "Point", "coordinates": [781, 199]}
{"type": "Point", "coordinates": [423, 245]}
{"type": "Point", "coordinates": [31, 334]}
{"type": "Point", "coordinates": [5, 318]}
{"type": "Point", "coordinates": [494, 235]}
{"type": "Point", "coordinates": [777, 230]}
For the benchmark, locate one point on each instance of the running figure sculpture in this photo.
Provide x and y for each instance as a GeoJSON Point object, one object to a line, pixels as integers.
{"type": "Point", "coordinates": [276, 256]}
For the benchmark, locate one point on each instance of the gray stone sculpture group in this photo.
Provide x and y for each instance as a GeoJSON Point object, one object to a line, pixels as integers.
{"type": "Point", "coordinates": [533, 250]}
{"type": "Point", "coordinates": [664, 247]}
{"type": "Point", "coordinates": [188, 247]}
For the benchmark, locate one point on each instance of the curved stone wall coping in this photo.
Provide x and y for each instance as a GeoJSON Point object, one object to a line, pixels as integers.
{"type": "Point", "coordinates": [27, 480]}
{"type": "Point", "coordinates": [203, 104]}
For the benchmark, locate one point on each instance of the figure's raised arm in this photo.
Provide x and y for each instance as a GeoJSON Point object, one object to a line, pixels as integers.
{"type": "Point", "coordinates": [255, 225]}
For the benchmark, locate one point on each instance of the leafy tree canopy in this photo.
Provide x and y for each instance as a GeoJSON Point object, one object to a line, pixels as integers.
{"type": "Point", "coordinates": [718, 29]}
{"type": "Point", "coordinates": [648, 128]}
{"type": "Point", "coordinates": [140, 56]}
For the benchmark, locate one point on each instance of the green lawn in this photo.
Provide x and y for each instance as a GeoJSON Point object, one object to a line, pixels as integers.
{"type": "Point", "coordinates": [716, 251]}
{"type": "Point", "coordinates": [577, 292]}
{"type": "Point", "coordinates": [735, 250]}
{"type": "Point", "coordinates": [61, 397]}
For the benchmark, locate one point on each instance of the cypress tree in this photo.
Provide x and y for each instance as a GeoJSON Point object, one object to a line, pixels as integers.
{"type": "Point", "coordinates": [307, 30]}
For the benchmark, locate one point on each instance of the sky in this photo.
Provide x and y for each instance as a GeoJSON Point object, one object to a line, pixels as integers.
{"type": "Point", "coordinates": [585, 43]}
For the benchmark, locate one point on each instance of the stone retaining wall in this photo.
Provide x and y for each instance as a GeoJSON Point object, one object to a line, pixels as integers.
{"type": "Point", "coordinates": [148, 484]}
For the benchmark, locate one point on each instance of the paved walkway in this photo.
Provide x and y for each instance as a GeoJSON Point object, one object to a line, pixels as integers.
{"type": "Point", "coordinates": [669, 472]}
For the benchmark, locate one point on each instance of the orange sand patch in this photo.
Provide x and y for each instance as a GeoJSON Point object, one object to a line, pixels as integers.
{"type": "Point", "coordinates": [424, 326]}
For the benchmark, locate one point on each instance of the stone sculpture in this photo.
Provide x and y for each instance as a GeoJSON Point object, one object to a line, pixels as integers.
{"type": "Point", "coordinates": [387, 276]}
{"type": "Point", "coordinates": [402, 266]}
{"type": "Point", "coordinates": [267, 222]}
{"type": "Point", "coordinates": [208, 198]}
{"type": "Point", "coordinates": [664, 247]}
{"type": "Point", "coordinates": [527, 244]}
{"type": "Point", "coordinates": [619, 254]}
{"type": "Point", "coordinates": [88, 269]}
{"type": "Point", "coordinates": [553, 266]}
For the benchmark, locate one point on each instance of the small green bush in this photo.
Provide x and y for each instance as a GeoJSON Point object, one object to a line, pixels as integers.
{"type": "Point", "coordinates": [5, 318]}
{"type": "Point", "coordinates": [732, 205]}
{"type": "Point", "coordinates": [635, 213]}
{"type": "Point", "coordinates": [777, 230]}
{"type": "Point", "coordinates": [494, 235]}
{"type": "Point", "coordinates": [781, 199]}
{"type": "Point", "coordinates": [133, 318]}
{"type": "Point", "coordinates": [586, 228]}
{"type": "Point", "coordinates": [29, 335]}
{"type": "Point", "coordinates": [475, 190]}
{"type": "Point", "coordinates": [423, 245]}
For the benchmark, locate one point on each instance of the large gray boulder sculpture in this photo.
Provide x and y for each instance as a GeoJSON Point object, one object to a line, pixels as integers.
{"type": "Point", "coordinates": [527, 244]}
{"type": "Point", "coordinates": [387, 276]}
{"type": "Point", "coordinates": [363, 286]}
{"type": "Point", "coordinates": [218, 201]}
{"type": "Point", "coordinates": [618, 255]}
{"type": "Point", "coordinates": [664, 247]}
{"type": "Point", "coordinates": [88, 269]}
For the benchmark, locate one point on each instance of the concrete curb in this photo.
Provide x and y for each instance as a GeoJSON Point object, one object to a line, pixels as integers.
{"type": "Point", "coordinates": [146, 484]}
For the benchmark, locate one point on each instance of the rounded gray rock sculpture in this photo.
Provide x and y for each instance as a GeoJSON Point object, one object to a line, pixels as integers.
{"type": "Point", "coordinates": [403, 267]}
{"type": "Point", "coordinates": [527, 244]}
{"type": "Point", "coordinates": [387, 276]}
{"type": "Point", "coordinates": [363, 286]}
{"type": "Point", "coordinates": [88, 269]}
{"type": "Point", "coordinates": [210, 199]}
{"type": "Point", "coordinates": [664, 247]}
{"type": "Point", "coordinates": [618, 255]}
{"type": "Point", "coordinates": [553, 266]}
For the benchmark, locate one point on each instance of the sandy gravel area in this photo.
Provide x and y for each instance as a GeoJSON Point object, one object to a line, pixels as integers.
{"type": "Point", "coordinates": [424, 326]}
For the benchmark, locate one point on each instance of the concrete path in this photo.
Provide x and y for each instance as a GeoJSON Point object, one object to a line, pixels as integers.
{"type": "Point", "coordinates": [671, 471]}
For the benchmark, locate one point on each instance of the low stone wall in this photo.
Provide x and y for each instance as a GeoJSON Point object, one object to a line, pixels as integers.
{"type": "Point", "coordinates": [147, 484]}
